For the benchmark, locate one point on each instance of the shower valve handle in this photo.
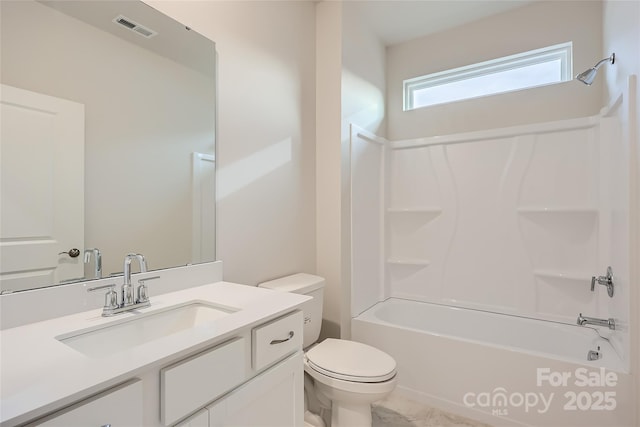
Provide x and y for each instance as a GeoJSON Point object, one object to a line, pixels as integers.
{"type": "Point", "coordinates": [605, 281]}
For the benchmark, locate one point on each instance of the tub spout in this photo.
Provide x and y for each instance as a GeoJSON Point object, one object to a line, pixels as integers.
{"type": "Point", "coordinates": [584, 320]}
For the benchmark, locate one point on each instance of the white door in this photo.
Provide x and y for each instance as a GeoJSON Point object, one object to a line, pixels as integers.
{"type": "Point", "coordinates": [203, 205]}
{"type": "Point", "coordinates": [42, 189]}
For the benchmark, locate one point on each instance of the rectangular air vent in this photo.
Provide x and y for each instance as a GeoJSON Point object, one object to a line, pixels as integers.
{"type": "Point", "coordinates": [134, 26]}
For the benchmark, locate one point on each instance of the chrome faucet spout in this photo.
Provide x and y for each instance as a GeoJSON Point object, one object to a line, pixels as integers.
{"type": "Point", "coordinates": [127, 266]}
{"type": "Point", "coordinates": [584, 320]}
{"type": "Point", "coordinates": [97, 257]}
{"type": "Point", "coordinates": [127, 289]}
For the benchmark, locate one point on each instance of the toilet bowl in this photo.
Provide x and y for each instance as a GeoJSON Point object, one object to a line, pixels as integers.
{"type": "Point", "coordinates": [349, 375]}
{"type": "Point", "coordinates": [352, 376]}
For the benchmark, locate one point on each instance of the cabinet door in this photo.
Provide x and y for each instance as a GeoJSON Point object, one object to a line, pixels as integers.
{"type": "Point", "coordinates": [190, 384]}
{"type": "Point", "coordinates": [117, 407]}
{"type": "Point", "coordinates": [274, 398]}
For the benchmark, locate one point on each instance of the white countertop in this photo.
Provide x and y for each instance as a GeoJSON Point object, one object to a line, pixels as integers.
{"type": "Point", "coordinates": [39, 373]}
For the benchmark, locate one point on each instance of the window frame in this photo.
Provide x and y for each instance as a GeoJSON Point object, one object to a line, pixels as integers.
{"type": "Point", "coordinates": [562, 51]}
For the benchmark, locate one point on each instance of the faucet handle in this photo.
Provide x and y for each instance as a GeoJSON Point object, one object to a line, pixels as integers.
{"type": "Point", "coordinates": [110, 298]}
{"type": "Point", "coordinates": [97, 288]}
{"type": "Point", "coordinates": [143, 295]}
{"type": "Point", "coordinates": [605, 281]}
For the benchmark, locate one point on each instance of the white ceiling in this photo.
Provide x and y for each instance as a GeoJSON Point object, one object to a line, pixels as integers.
{"type": "Point", "coordinates": [396, 21]}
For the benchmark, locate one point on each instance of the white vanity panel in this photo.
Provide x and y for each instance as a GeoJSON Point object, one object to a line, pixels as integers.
{"type": "Point", "coordinates": [117, 407]}
{"type": "Point", "coordinates": [273, 341]}
{"type": "Point", "coordinates": [272, 399]}
{"type": "Point", "coordinates": [190, 384]}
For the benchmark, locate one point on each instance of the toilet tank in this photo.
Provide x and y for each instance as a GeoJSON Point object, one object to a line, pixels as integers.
{"type": "Point", "coordinates": [306, 284]}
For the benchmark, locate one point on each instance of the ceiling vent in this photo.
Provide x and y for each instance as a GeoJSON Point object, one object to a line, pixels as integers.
{"type": "Point", "coordinates": [134, 26]}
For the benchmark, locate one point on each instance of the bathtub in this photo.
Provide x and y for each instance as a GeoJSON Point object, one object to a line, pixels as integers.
{"type": "Point", "coordinates": [500, 369]}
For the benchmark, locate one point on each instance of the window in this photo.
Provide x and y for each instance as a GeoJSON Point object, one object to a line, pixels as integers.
{"type": "Point", "coordinates": [521, 71]}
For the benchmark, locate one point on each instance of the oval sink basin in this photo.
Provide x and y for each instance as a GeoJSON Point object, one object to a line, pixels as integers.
{"type": "Point", "coordinates": [143, 328]}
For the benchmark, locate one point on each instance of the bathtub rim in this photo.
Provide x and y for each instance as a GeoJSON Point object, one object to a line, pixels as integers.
{"type": "Point", "coordinates": [618, 365]}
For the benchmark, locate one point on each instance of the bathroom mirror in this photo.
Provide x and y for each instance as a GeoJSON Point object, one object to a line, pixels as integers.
{"type": "Point", "coordinates": [144, 168]}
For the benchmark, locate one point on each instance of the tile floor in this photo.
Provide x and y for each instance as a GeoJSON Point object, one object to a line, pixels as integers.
{"type": "Point", "coordinates": [397, 411]}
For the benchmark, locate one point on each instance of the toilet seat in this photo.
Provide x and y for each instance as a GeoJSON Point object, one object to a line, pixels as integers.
{"type": "Point", "coordinates": [351, 361]}
{"type": "Point", "coordinates": [352, 387]}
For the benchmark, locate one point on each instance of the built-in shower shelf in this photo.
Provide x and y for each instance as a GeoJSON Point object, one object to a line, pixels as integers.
{"type": "Point", "coordinates": [418, 262]}
{"type": "Point", "coordinates": [559, 211]}
{"type": "Point", "coordinates": [422, 215]}
{"type": "Point", "coordinates": [567, 223]}
{"type": "Point", "coordinates": [430, 210]}
{"type": "Point", "coordinates": [575, 276]}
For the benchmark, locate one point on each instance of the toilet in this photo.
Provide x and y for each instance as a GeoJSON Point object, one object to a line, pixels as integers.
{"type": "Point", "coordinates": [349, 375]}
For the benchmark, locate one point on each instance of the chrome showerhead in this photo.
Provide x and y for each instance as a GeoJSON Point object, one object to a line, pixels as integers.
{"type": "Point", "coordinates": [589, 75]}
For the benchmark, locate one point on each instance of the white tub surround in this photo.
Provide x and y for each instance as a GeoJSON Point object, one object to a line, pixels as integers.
{"type": "Point", "coordinates": [513, 221]}
{"type": "Point", "coordinates": [40, 374]}
{"type": "Point", "coordinates": [465, 361]}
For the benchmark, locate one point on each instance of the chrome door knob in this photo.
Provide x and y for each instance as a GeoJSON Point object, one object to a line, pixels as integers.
{"type": "Point", "coordinates": [73, 253]}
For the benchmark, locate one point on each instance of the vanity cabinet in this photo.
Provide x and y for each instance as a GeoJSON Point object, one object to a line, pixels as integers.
{"type": "Point", "coordinates": [121, 406]}
{"type": "Point", "coordinates": [192, 383]}
{"type": "Point", "coordinates": [251, 376]}
{"type": "Point", "coordinates": [272, 341]}
{"type": "Point", "coordinates": [272, 399]}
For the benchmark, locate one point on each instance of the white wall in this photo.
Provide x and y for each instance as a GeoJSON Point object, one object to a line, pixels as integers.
{"type": "Point", "coordinates": [350, 87]}
{"type": "Point", "coordinates": [530, 27]}
{"type": "Point", "coordinates": [621, 34]}
{"type": "Point", "coordinates": [329, 174]}
{"type": "Point", "coordinates": [362, 104]}
{"type": "Point", "coordinates": [266, 132]}
{"type": "Point", "coordinates": [139, 128]}
{"type": "Point", "coordinates": [363, 74]}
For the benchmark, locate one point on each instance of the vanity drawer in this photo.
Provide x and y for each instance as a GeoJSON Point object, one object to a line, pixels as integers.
{"type": "Point", "coordinates": [192, 383]}
{"type": "Point", "coordinates": [118, 406]}
{"type": "Point", "coordinates": [274, 340]}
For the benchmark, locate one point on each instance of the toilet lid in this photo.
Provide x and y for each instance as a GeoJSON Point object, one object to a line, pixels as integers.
{"type": "Point", "coordinates": [351, 361]}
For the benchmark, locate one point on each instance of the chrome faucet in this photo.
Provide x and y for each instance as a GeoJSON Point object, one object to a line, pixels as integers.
{"type": "Point", "coordinates": [584, 320]}
{"type": "Point", "coordinates": [97, 259]}
{"type": "Point", "coordinates": [605, 281]}
{"type": "Point", "coordinates": [128, 300]}
{"type": "Point", "coordinates": [128, 296]}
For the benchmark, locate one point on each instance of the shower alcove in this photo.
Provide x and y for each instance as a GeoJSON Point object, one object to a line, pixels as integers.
{"type": "Point", "coordinates": [499, 231]}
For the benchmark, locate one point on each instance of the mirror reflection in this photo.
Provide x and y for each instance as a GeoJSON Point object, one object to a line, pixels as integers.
{"type": "Point", "coordinates": [108, 141]}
